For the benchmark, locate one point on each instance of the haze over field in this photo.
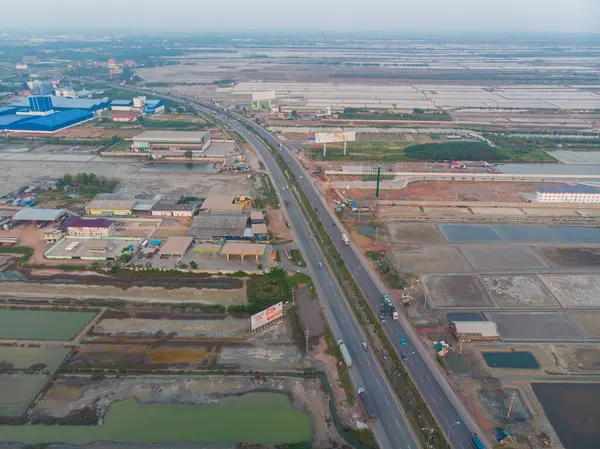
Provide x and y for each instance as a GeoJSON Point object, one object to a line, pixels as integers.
{"type": "Point", "coordinates": [353, 16]}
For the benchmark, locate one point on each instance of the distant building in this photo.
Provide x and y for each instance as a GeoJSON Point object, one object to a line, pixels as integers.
{"type": "Point", "coordinates": [568, 194]}
{"type": "Point", "coordinates": [221, 203]}
{"type": "Point", "coordinates": [214, 227]}
{"type": "Point", "coordinates": [124, 117]}
{"type": "Point", "coordinates": [110, 207]}
{"type": "Point", "coordinates": [175, 246]}
{"type": "Point", "coordinates": [173, 210]}
{"type": "Point", "coordinates": [475, 330]}
{"type": "Point", "coordinates": [172, 140]}
{"type": "Point", "coordinates": [89, 227]}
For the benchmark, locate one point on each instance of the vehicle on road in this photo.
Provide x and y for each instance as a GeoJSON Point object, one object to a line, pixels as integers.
{"type": "Point", "coordinates": [320, 264]}
{"type": "Point", "coordinates": [345, 353]}
{"type": "Point", "coordinates": [333, 224]}
{"type": "Point", "coordinates": [403, 342]}
{"type": "Point", "coordinates": [345, 239]}
{"type": "Point", "coordinates": [364, 346]}
{"type": "Point", "coordinates": [367, 404]}
{"type": "Point", "coordinates": [404, 357]}
{"type": "Point", "coordinates": [382, 318]}
{"type": "Point", "coordinates": [301, 177]}
{"type": "Point", "coordinates": [477, 442]}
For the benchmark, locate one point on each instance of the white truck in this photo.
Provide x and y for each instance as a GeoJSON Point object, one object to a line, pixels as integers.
{"type": "Point", "coordinates": [345, 353]}
{"type": "Point", "coordinates": [345, 239]}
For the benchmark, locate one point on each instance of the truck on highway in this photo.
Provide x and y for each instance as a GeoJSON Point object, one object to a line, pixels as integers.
{"type": "Point", "coordinates": [477, 442]}
{"type": "Point", "coordinates": [345, 239]}
{"type": "Point", "coordinates": [387, 308]}
{"type": "Point", "coordinates": [367, 404]}
{"type": "Point", "coordinates": [345, 353]}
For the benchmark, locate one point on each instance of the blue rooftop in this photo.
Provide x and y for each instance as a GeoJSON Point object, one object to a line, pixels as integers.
{"type": "Point", "coordinates": [68, 103]}
{"type": "Point", "coordinates": [8, 110]}
{"type": "Point", "coordinates": [52, 122]}
{"type": "Point", "coordinates": [121, 103]}
{"type": "Point", "coordinates": [569, 189]}
{"type": "Point", "coordinates": [6, 120]}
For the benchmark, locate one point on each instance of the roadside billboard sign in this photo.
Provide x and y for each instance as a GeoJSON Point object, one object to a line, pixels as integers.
{"type": "Point", "coordinates": [266, 316]}
{"type": "Point", "coordinates": [335, 136]}
{"type": "Point", "coordinates": [263, 95]}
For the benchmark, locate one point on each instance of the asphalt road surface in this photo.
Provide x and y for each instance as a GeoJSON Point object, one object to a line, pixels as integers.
{"type": "Point", "coordinates": [455, 420]}
{"type": "Point", "coordinates": [391, 429]}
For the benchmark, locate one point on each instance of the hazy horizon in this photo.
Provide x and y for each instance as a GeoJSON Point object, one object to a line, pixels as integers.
{"type": "Point", "coordinates": [347, 16]}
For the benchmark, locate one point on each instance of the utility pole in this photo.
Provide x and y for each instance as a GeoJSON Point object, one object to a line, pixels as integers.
{"type": "Point", "coordinates": [512, 402]}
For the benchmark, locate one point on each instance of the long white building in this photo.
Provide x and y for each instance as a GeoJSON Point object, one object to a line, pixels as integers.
{"type": "Point", "coordinates": [569, 194]}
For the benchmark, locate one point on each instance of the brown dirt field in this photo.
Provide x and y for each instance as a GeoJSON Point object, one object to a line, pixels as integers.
{"type": "Point", "coordinates": [176, 354]}
{"type": "Point", "coordinates": [468, 191]}
{"type": "Point", "coordinates": [276, 224]}
{"type": "Point", "coordinates": [109, 354]}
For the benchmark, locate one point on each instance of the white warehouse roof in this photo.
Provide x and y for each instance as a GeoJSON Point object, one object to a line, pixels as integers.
{"type": "Point", "coordinates": [39, 214]}
{"type": "Point", "coordinates": [171, 136]}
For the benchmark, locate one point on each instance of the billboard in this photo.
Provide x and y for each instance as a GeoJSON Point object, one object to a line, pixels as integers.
{"type": "Point", "coordinates": [266, 316]}
{"type": "Point", "coordinates": [335, 136]}
{"type": "Point", "coordinates": [263, 95]}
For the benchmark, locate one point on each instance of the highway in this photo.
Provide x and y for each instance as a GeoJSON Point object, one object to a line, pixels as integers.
{"type": "Point", "coordinates": [450, 413]}
{"type": "Point", "coordinates": [391, 429]}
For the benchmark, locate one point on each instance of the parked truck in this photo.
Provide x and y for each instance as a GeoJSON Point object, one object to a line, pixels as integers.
{"type": "Point", "coordinates": [367, 404]}
{"type": "Point", "coordinates": [345, 353]}
{"type": "Point", "coordinates": [345, 239]}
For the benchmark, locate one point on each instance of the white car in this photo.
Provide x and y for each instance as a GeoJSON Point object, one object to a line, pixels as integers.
{"type": "Point", "coordinates": [320, 264]}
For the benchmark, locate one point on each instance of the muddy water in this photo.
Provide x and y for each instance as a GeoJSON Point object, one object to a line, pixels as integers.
{"type": "Point", "coordinates": [266, 418]}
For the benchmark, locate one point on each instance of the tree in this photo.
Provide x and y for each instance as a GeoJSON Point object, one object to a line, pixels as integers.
{"type": "Point", "coordinates": [68, 178]}
{"type": "Point", "coordinates": [188, 154]}
{"type": "Point", "coordinates": [294, 114]}
{"type": "Point", "coordinates": [193, 265]}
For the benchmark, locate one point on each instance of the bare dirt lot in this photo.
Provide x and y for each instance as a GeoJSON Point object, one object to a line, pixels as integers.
{"type": "Point", "coordinates": [470, 191]}
{"type": "Point", "coordinates": [430, 259]}
{"type": "Point", "coordinates": [413, 232]}
{"type": "Point", "coordinates": [458, 291]}
{"type": "Point", "coordinates": [132, 181]}
{"type": "Point", "coordinates": [518, 291]}
{"type": "Point", "coordinates": [570, 257]}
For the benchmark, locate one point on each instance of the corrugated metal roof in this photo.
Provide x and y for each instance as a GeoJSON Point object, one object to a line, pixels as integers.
{"type": "Point", "coordinates": [174, 207]}
{"type": "Point", "coordinates": [121, 103]}
{"type": "Point", "coordinates": [68, 103]}
{"type": "Point", "coordinates": [39, 214]}
{"type": "Point", "coordinates": [111, 205]}
{"type": "Point", "coordinates": [259, 228]}
{"type": "Point", "coordinates": [171, 136]}
{"type": "Point", "coordinates": [176, 246]}
{"type": "Point", "coordinates": [8, 110]}
{"type": "Point", "coordinates": [243, 249]}
{"type": "Point", "coordinates": [80, 222]}
{"type": "Point", "coordinates": [52, 122]}
{"type": "Point", "coordinates": [9, 120]}
{"type": "Point", "coordinates": [218, 225]}
{"type": "Point", "coordinates": [483, 328]}
{"type": "Point", "coordinates": [221, 203]}
{"type": "Point", "coordinates": [569, 189]}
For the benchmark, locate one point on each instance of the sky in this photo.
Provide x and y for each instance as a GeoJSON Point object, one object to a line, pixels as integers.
{"type": "Point", "coordinates": [307, 15]}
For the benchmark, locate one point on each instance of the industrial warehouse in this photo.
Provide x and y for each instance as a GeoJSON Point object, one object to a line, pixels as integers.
{"type": "Point", "coordinates": [52, 113]}
{"type": "Point", "coordinates": [172, 141]}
